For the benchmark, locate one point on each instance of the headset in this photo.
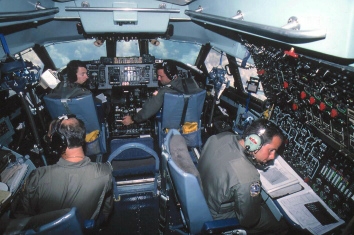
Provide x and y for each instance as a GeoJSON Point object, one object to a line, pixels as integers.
{"type": "Point", "coordinates": [71, 70]}
{"type": "Point", "coordinates": [254, 142]}
{"type": "Point", "coordinates": [170, 69]}
{"type": "Point", "coordinates": [57, 141]}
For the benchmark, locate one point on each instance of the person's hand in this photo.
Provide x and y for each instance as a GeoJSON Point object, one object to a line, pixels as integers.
{"type": "Point", "coordinates": [155, 93]}
{"type": "Point", "coordinates": [127, 120]}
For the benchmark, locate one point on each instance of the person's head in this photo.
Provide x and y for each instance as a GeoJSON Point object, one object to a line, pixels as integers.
{"type": "Point", "coordinates": [66, 132]}
{"type": "Point", "coordinates": [166, 72]}
{"type": "Point", "coordinates": [77, 72]}
{"type": "Point", "coordinates": [262, 139]}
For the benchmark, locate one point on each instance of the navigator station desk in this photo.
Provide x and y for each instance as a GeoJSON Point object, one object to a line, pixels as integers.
{"type": "Point", "coordinates": [292, 198]}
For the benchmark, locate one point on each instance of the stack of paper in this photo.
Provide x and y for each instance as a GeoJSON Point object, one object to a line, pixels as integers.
{"type": "Point", "coordinates": [277, 181]}
{"type": "Point", "coordinates": [295, 207]}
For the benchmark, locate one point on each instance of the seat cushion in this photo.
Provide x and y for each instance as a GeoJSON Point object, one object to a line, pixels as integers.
{"type": "Point", "coordinates": [180, 155]}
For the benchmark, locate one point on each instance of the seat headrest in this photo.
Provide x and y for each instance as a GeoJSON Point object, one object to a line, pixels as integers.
{"type": "Point", "coordinates": [181, 157]}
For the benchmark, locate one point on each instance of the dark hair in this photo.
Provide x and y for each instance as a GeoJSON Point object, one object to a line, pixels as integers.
{"type": "Point", "coordinates": [74, 133]}
{"type": "Point", "coordinates": [270, 128]}
{"type": "Point", "coordinates": [169, 68]}
{"type": "Point", "coordinates": [72, 68]}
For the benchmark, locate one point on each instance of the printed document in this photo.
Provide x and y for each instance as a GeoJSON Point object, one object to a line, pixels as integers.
{"type": "Point", "coordinates": [294, 207]}
{"type": "Point", "coordinates": [277, 181]}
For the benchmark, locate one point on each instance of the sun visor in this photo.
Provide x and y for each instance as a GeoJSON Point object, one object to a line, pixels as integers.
{"type": "Point", "coordinates": [124, 17]}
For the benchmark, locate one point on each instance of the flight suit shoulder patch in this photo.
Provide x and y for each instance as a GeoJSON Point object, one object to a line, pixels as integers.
{"type": "Point", "coordinates": [255, 188]}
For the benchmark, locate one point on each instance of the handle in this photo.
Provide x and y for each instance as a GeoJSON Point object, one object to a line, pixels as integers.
{"type": "Point", "coordinates": [26, 15]}
{"type": "Point", "coordinates": [275, 33]}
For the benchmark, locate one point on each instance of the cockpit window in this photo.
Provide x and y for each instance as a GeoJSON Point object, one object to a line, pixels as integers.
{"type": "Point", "coordinates": [126, 49]}
{"type": "Point", "coordinates": [185, 52]}
{"type": "Point", "coordinates": [213, 60]}
{"type": "Point", "coordinates": [85, 50]}
{"type": "Point", "coordinates": [30, 55]}
{"type": "Point", "coordinates": [247, 73]}
{"type": "Point", "coordinates": [246, 76]}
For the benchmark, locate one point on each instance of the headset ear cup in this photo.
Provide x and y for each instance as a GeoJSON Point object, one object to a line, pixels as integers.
{"type": "Point", "coordinates": [253, 142]}
{"type": "Point", "coordinates": [58, 143]}
{"type": "Point", "coordinates": [170, 69]}
{"type": "Point", "coordinates": [167, 70]}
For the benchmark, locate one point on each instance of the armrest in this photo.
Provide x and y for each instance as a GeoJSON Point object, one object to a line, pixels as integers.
{"type": "Point", "coordinates": [223, 225]}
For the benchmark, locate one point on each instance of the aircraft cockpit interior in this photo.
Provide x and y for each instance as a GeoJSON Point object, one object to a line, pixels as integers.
{"type": "Point", "coordinates": [234, 63]}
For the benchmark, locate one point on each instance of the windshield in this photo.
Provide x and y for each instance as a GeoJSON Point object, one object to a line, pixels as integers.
{"type": "Point", "coordinates": [85, 50]}
{"type": "Point", "coordinates": [181, 51]}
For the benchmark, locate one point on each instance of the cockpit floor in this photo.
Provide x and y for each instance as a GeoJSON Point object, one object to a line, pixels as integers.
{"type": "Point", "coordinates": [134, 214]}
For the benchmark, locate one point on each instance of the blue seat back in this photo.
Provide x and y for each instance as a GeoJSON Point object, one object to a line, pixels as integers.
{"type": "Point", "coordinates": [64, 221]}
{"type": "Point", "coordinates": [186, 183]}
{"type": "Point", "coordinates": [132, 153]}
{"type": "Point", "coordinates": [172, 111]}
{"type": "Point", "coordinates": [119, 154]}
{"type": "Point", "coordinates": [173, 105]}
{"type": "Point", "coordinates": [83, 107]}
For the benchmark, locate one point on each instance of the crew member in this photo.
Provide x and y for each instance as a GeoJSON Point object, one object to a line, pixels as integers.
{"type": "Point", "coordinates": [74, 181]}
{"type": "Point", "coordinates": [74, 85]}
{"type": "Point", "coordinates": [167, 75]}
{"type": "Point", "coordinates": [230, 179]}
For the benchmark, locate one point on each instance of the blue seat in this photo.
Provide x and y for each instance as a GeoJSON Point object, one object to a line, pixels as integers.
{"type": "Point", "coordinates": [64, 221]}
{"type": "Point", "coordinates": [186, 184]}
{"type": "Point", "coordinates": [84, 108]}
{"type": "Point", "coordinates": [142, 180]}
{"type": "Point", "coordinates": [174, 106]}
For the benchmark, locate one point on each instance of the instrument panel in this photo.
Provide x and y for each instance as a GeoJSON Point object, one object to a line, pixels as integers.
{"type": "Point", "coordinates": [311, 91]}
{"type": "Point", "coordinates": [130, 81]}
{"type": "Point", "coordinates": [329, 172]}
{"type": "Point", "coordinates": [129, 102]}
{"type": "Point", "coordinates": [122, 71]}
{"type": "Point", "coordinates": [311, 100]}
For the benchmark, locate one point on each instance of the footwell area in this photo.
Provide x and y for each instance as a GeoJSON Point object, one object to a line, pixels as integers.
{"type": "Point", "coordinates": [134, 214]}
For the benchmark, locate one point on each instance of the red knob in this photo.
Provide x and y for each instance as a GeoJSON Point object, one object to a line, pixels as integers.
{"type": "Point", "coordinates": [322, 106]}
{"type": "Point", "coordinates": [334, 113]}
{"type": "Point", "coordinates": [295, 107]}
{"type": "Point", "coordinates": [261, 72]}
{"type": "Point", "coordinates": [312, 100]}
{"type": "Point", "coordinates": [291, 53]}
{"type": "Point", "coordinates": [303, 95]}
{"type": "Point", "coordinates": [285, 85]}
